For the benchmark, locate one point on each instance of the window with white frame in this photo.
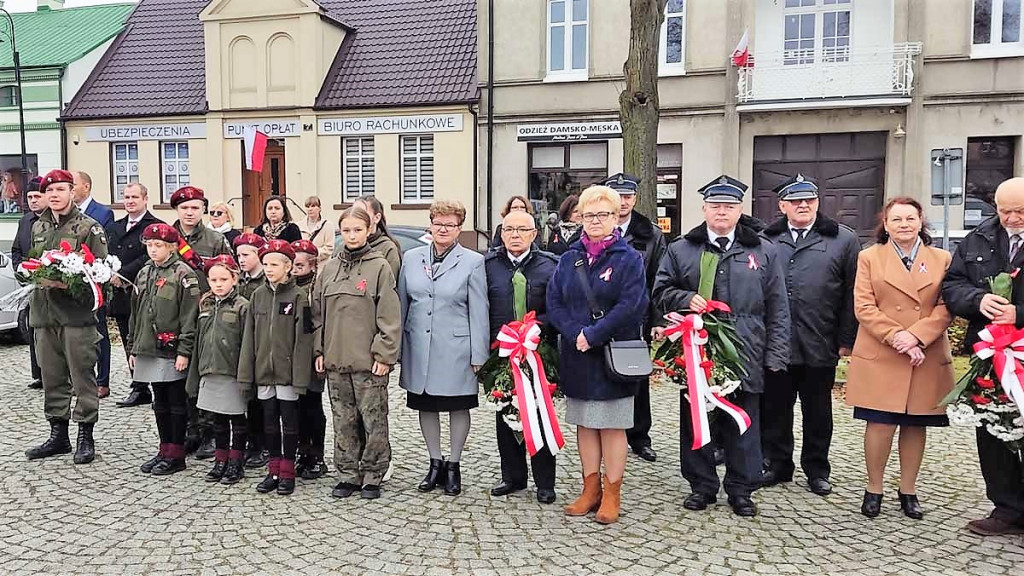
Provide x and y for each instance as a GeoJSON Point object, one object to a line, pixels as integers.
{"type": "Point", "coordinates": [417, 168]}
{"type": "Point", "coordinates": [358, 168]}
{"type": "Point", "coordinates": [673, 38]}
{"type": "Point", "coordinates": [568, 41]}
{"type": "Point", "coordinates": [174, 167]}
{"type": "Point", "coordinates": [997, 28]}
{"type": "Point", "coordinates": [817, 31]}
{"type": "Point", "coordinates": [124, 165]}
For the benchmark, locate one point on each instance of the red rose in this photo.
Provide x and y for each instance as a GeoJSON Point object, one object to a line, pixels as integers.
{"type": "Point", "coordinates": [981, 400]}
{"type": "Point", "coordinates": [497, 394]}
{"type": "Point", "coordinates": [659, 363]}
{"type": "Point", "coordinates": [985, 383]}
{"type": "Point", "coordinates": [552, 388]}
{"type": "Point", "coordinates": [707, 364]}
{"type": "Point", "coordinates": [1002, 398]}
{"type": "Point", "coordinates": [671, 373]}
{"type": "Point", "coordinates": [679, 361]}
{"type": "Point", "coordinates": [702, 334]}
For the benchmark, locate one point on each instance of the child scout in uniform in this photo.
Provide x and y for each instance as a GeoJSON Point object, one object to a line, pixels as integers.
{"type": "Point", "coordinates": [214, 369]}
{"type": "Point", "coordinates": [276, 360]}
{"type": "Point", "coordinates": [247, 250]}
{"type": "Point", "coordinates": [309, 464]}
{"type": "Point", "coordinates": [161, 340]}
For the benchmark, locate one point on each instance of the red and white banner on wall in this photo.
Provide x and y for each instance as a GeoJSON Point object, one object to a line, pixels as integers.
{"type": "Point", "coordinates": [255, 148]}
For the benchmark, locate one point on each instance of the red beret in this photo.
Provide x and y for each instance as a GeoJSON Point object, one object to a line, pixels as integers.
{"type": "Point", "coordinates": [222, 260]}
{"type": "Point", "coordinates": [250, 239]}
{"type": "Point", "coordinates": [305, 246]}
{"type": "Point", "coordinates": [160, 232]}
{"type": "Point", "coordinates": [186, 193]}
{"type": "Point", "coordinates": [279, 246]}
{"type": "Point", "coordinates": [56, 176]}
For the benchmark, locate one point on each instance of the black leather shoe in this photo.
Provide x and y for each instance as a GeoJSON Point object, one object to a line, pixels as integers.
{"type": "Point", "coordinates": [257, 459]}
{"type": "Point", "coordinates": [315, 468]}
{"type": "Point", "coordinates": [147, 467]}
{"type": "Point", "coordinates": [36, 384]}
{"type": "Point", "coordinates": [370, 492]}
{"type": "Point", "coordinates": [646, 452]}
{"type": "Point", "coordinates": [217, 472]}
{"type": "Point", "coordinates": [285, 486]}
{"type": "Point", "coordinates": [910, 505]}
{"type": "Point", "coordinates": [85, 452]}
{"type": "Point", "coordinates": [872, 505]}
{"type": "Point", "coordinates": [771, 477]}
{"type": "Point", "coordinates": [139, 396]}
{"type": "Point", "coordinates": [433, 477]}
{"type": "Point", "coordinates": [206, 450]}
{"type": "Point", "coordinates": [505, 488]}
{"type": "Point", "coordinates": [168, 466]}
{"type": "Point", "coordinates": [743, 506]}
{"type": "Point", "coordinates": [344, 489]}
{"type": "Point", "coordinates": [234, 473]}
{"type": "Point", "coordinates": [699, 501]}
{"type": "Point", "coordinates": [57, 443]}
{"type": "Point", "coordinates": [545, 495]}
{"type": "Point", "coordinates": [452, 479]}
{"type": "Point", "coordinates": [301, 463]}
{"type": "Point", "coordinates": [820, 486]}
{"type": "Point", "coordinates": [268, 484]}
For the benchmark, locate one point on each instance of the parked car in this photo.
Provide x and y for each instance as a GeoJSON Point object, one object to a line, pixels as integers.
{"type": "Point", "coordinates": [13, 301]}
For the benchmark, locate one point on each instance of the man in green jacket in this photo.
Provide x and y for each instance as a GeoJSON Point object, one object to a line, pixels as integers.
{"type": "Point", "coordinates": [65, 327]}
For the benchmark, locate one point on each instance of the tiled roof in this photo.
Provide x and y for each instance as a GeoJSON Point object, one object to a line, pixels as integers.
{"type": "Point", "coordinates": [59, 37]}
{"type": "Point", "coordinates": [401, 53]}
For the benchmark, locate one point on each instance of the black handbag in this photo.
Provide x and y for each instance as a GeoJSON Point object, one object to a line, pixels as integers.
{"type": "Point", "coordinates": [627, 361]}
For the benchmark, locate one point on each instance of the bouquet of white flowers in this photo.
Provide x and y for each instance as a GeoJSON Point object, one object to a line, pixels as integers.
{"type": "Point", "coordinates": [84, 276]}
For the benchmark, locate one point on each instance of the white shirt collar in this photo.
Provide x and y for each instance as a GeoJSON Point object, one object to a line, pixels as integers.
{"type": "Point", "coordinates": [731, 236]}
{"type": "Point", "coordinates": [625, 225]}
{"type": "Point", "coordinates": [518, 260]}
{"type": "Point", "coordinates": [793, 229]}
{"type": "Point", "coordinates": [85, 203]}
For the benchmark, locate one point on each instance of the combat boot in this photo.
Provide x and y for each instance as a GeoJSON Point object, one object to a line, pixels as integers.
{"type": "Point", "coordinates": [286, 484]}
{"type": "Point", "coordinates": [86, 450]}
{"type": "Point", "coordinates": [315, 468]}
{"type": "Point", "coordinates": [220, 466]}
{"type": "Point", "coordinates": [269, 484]}
{"type": "Point", "coordinates": [57, 443]}
{"type": "Point", "coordinates": [236, 468]}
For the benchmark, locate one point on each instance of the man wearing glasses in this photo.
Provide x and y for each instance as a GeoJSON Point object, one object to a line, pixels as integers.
{"type": "Point", "coordinates": [517, 283]}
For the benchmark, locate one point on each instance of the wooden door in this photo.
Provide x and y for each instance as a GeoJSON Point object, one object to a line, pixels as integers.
{"type": "Point", "coordinates": [257, 187]}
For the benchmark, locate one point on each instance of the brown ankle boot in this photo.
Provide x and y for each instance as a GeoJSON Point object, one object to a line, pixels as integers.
{"type": "Point", "coordinates": [610, 502]}
{"type": "Point", "coordinates": [589, 500]}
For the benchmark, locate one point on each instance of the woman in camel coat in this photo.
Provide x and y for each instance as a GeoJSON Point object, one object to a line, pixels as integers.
{"type": "Point", "coordinates": [901, 365]}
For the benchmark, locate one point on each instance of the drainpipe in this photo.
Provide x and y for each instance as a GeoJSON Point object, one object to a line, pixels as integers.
{"type": "Point", "coordinates": [60, 120]}
{"type": "Point", "coordinates": [490, 117]}
{"type": "Point", "coordinates": [476, 171]}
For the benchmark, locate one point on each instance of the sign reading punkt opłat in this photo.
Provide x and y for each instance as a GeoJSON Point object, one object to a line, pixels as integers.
{"type": "Point", "coordinates": [272, 127]}
{"type": "Point", "coordinates": [130, 132]}
{"type": "Point", "coordinates": [390, 125]}
{"type": "Point", "coordinates": [569, 131]}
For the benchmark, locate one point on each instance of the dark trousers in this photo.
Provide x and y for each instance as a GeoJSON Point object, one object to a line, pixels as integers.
{"type": "Point", "coordinates": [103, 360]}
{"type": "Point", "coordinates": [742, 451]}
{"type": "Point", "coordinates": [513, 460]}
{"type": "Point", "coordinates": [37, 374]}
{"type": "Point", "coordinates": [229, 431]}
{"type": "Point", "coordinates": [1004, 477]}
{"type": "Point", "coordinates": [639, 436]}
{"type": "Point", "coordinates": [254, 425]}
{"type": "Point", "coordinates": [123, 326]}
{"type": "Point", "coordinates": [200, 422]}
{"type": "Point", "coordinates": [281, 427]}
{"type": "Point", "coordinates": [312, 423]}
{"type": "Point", "coordinates": [170, 406]}
{"type": "Point", "coordinates": [813, 385]}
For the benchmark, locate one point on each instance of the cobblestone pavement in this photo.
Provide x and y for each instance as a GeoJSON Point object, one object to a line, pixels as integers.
{"type": "Point", "coordinates": [108, 518]}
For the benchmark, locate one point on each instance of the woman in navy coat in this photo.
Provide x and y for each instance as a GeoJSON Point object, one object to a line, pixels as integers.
{"type": "Point", "coordinates": [600, 407]}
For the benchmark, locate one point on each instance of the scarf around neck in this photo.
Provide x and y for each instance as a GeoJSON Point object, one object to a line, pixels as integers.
{"type": "Point", "coordinates": [595, 248]}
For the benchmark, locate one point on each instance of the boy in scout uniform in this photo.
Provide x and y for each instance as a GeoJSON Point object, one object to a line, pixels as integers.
{"type": "Point", "coordinates": [309, 464]}
{"type": "Point", "coordinates": [65, 328]}
{"type": "Point", "coordinates": [247, 251]}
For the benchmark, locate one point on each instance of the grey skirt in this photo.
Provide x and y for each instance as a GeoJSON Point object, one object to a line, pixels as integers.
{"type": "Point", "coordinates": [221, 395]}
{"type": "Point", "coordinates": [614, 414]}
{"type": "Point", "coordinates": [150, 369]}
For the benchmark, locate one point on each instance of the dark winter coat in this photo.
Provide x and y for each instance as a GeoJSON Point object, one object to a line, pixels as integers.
{"type": "Point", "coordinates": [749, 280]}
{"type": "Point", "coordinates": [277, 345]}
{"type": "Point", "coordinates": [820, 274]}
{"type": "Point", "coordinates": [128, 246]}
{"type": "Point", "coordinates": [982, 254]}
{"type": "Point", "coordinates": [538, 267]}
{"type": "Point", "coordinates": [247, 285]}
{"type": "Point", "coordinates": [22, 244]}
{"type": "Point", "coordinates": [646, 238]}
{"type": "Point", "coordinates": [218, 338]}
{"type": "Point", "coordinates": [616, 278]}
{"type": "Point", "coordinates": [167, 301]}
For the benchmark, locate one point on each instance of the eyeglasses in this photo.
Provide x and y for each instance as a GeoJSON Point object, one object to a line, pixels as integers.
{"type": "Point", "coordinates": [445, 227]}
{"type": "Point", "coordinates": [516, 231]}
{"type": "Point", "coordinates": [596, 216]}
{"type": "Point", "coordinates": [519, 208]}
{"type": "Point", "coordinates": [216, 213]}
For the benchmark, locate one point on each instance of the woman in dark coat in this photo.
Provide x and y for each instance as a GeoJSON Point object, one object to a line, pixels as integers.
{"type": "Point", "coordinates": [277, 222]}
{"type": "Point", "coordinates": [602, 409]}
{"type": "Point", "coordinates": [569, 227]}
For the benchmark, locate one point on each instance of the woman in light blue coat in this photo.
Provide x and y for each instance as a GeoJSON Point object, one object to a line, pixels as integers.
{"type": "Point", "coordinates": [443, 290]}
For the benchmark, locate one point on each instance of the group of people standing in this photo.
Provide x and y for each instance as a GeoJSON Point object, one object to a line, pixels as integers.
{"type": "Point", "coordinates": [243, 338]}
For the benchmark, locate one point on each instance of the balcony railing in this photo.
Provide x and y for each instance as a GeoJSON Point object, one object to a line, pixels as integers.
{"type": "Point", "coordinates": [838, 73]}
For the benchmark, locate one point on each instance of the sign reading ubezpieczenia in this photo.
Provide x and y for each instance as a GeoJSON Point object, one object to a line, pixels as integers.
{"type": "Point", "coordinates": [569, 131]}
{"type": "Point", "coordinates": [390, 125]}
{"type": "Point", "coordinates": [116, 133]}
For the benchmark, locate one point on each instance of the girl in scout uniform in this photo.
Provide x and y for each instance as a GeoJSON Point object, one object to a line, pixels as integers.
{"type": "Point", "coordinates": [312, 423]}
{"type": "Point", "coordinates": [276, 360]}
{"type": "Point", "coordinates": [161, 340]}
{"type": "Point", "coordinates": [247, 249]}
{"type": "Point", "coordinates": [212, 373]}
{"type": "Point", "coordinates": [358, 318]}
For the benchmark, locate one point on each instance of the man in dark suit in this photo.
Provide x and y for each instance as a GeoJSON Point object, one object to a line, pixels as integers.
{"type": "Point", "coordinates": [19, 252]}
{"type": "Point", "coordinates": [126, 243]}
{"type": "Point", "coordinates": [82, 196]}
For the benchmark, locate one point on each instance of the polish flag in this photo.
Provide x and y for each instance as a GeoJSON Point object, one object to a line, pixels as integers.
{"type": "Point", "coordinates": [741, 55]}
{"type": "Point", "coordinates": [255, 148]}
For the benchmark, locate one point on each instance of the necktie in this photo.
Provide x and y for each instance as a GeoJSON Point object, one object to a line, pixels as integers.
{"type": "Point", "coordinates": [722, 242]}
{"type": "Point", "coordinates": [800, 233]}
{"type": "Point", "coordinates": [131, 224]}
{"type": "Point", "coordinates": [1014, 246]}
{"type": "Point", "coordinates": [519, 294]}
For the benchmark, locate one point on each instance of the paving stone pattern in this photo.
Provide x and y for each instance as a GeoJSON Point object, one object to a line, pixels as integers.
{"type": "Point", "coordinates": [108, 518]}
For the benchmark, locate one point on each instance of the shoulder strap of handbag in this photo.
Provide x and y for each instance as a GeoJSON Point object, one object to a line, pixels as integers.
{"type": "Point", "coordinates": [581, 271]}
{"type": "Point", "coordinates": [317, 233]}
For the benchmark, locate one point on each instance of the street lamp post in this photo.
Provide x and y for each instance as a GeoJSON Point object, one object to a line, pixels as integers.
{"type": "Point", "coordinates": [21, 105]}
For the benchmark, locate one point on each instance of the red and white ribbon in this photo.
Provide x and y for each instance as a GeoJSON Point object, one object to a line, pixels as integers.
{"type": "Point", "coordinates": [51, 257]}
{"type": "Point", "coordinates": [1005, 346]}
{"type": "Point", "coordinates": [518, 341]}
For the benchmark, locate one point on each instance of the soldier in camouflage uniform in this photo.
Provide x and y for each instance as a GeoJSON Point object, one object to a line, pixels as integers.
{"type": "Point", "coordinates": [358, 318]}
{"type": "Point", "coordinates": [65, 328]}
{"type": "Point", "coordinates": [247, 252]}
{"type": "Point", "coordinates": [163, 331]}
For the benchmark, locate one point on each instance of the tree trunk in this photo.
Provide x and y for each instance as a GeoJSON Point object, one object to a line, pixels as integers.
{"type": "Point", "coordinates": [638, 103]}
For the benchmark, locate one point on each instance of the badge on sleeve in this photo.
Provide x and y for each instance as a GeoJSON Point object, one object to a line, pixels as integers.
{"type": "Point", "coordinates": [189, 282]}
{"type": "Point", "coordinates": [286, 308]}
{"type": "Point", "coordinates": [752, 262]}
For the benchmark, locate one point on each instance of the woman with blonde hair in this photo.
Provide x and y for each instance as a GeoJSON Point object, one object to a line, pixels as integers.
{"type": "Point", "coordinates": [223, 221]}
{"type": "Point", "coordinates": [317, 229]}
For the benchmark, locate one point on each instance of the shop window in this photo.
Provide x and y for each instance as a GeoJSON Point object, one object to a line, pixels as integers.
{"type": "Point", "coordinates": [673, 38]}
{"type": "Point", "coordinates": [989, 162]}
{"type": "Point", "coordinates": [417, 169]}
{"type": "Point", "coordinates": [358, 167]}
{"type": "Point", "coordinates": [556, 171]}
{"type": "Point", "coordinates": [568, 41]}
{"type": "Point", "coordinates": [124, 165]}
{"type": "Point", "coordinates": [996, 29]}
{"type": "Point", "coordinates": [174, 166]}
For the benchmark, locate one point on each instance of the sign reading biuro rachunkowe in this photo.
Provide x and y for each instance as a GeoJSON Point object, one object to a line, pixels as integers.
{"type": "Point", "coordinates": [131, 132]}
{"type": "Point", "coordinates": [390, 125]}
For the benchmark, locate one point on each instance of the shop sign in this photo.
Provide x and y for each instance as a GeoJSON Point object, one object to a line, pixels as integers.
{"type": "Point", "coordinates": [569, 132]}
{"type": "Point", "coordinates": [133, 132]}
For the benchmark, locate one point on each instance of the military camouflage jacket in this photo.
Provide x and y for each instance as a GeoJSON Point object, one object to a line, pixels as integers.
{"type": "Point", "coordinates": [54, 306]}
{"type": "Point", "coordinates": [277, 344]}
{"type": "Point", "coordinates": [218, 338]}
{"type": "Point", "coordinates": [164, 305]}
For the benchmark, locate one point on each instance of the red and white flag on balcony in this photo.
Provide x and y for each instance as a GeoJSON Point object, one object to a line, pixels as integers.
{"type": "Point", "coordinates": [741, 55]}
{"type": "Point", "coordinates": [255, 148]}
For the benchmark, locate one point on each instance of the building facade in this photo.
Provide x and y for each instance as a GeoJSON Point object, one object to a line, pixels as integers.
{"type": "Point", "coordinates": [355, 97]}
{"type": "Point", "coordinates": [855, 94]}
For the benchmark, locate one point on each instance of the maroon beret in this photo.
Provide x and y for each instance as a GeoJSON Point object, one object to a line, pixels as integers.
{"type": "Point", "coordinates": [250, 239]}
{"type": "Point", "coordinates": [160, 232]}
{"type": "Point", "coordinates": [222, 260]}
{"type": "Point", "coordinates": [279, 246]}
{"type": "Point", "coordinates": [56, 176]}
{"type": "Point", "coordinates": [305, 246]}
{"type": "Point", "coordinates": [186, 193]}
